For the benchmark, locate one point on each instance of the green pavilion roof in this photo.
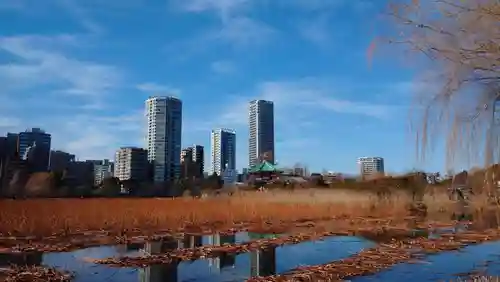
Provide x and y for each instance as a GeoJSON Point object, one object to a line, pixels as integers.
{"type": "Point", "coordinates": [264, 166]}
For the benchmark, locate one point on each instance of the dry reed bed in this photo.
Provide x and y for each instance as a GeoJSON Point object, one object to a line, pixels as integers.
{"type": "Point", "coordinates": [33, 274]}
{"type": "Point", "coordinates": [48, 217]}
{"type": "Point", "coordinates": [373, 260]}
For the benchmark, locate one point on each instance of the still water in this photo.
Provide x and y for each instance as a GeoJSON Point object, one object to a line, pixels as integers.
{"type": "Point", "coordinates": [454, 265]}
{"type": "Point", "coordinates": [223, 268]}
{"type": "Point", "coordinates": [445, 266]}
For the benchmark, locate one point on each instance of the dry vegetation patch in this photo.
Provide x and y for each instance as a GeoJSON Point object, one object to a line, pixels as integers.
{"type": "Point", "coordinates": [47, 217]}
{"type": "Point", "coordinates": [33, 274]}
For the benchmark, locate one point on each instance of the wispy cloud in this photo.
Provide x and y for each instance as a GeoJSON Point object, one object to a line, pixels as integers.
{"type": "Point", "coordinates": [299, 100]}
{"type": "Point", "coordinates": [42, 73]}
{"type": "Point", "coordinates": [318, 31]}
{"type": "Point", "coordinates": [323, 5]}
{"type": "Point", "coordinates": [244, 31]}
{"type": "Point", "coordinates": [76, 9]}
{"type": "Point", "coordinates": [223, 8]}
{"type": "Point", "coordinates": [223, 67]}
{"type": "Point", "coordinates": [80, 14]}
{"type": "Point", "coordinates": [236, 27]}
{"type": "Point", "coordinates": [41, 61]}
{"type": "Point", "coordinates": [155, 88]}
{"type": "Point", "coordinates": [316, 95]}
{"type": "Point", "coordinates": [314, 5]}
{"type": "Point", "coordinates": [95, 137]}
{"type": "Point", "coordinates": [88, 136]}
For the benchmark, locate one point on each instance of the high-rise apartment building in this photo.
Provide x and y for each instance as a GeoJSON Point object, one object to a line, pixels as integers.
{"type": "Point", "coordinates": [370, 166]}
{"type": "Point", "coordinates": [40, 139]}
{"type": "Point", "coordinates": [164, 115]}
{"type": "Point", "coordinates": [192, 161]}
{"type": "Point", "coordinates": [261, 139]}
{"type": "Point", "coordinates": [131, 163]}
{"type": "Point", "coordinates": [223, 150]}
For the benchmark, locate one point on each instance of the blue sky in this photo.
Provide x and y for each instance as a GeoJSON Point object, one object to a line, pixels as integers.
{"type": "Point", "coordinates": [82, 69]}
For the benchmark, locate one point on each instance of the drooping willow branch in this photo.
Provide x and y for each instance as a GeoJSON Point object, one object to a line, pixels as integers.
{"type": "Point", "coordinates": [461, 41]}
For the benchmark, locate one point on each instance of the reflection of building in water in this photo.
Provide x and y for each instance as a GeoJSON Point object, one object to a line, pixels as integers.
{"type": "Point", "coordinates": [134, 246]}
{"type": "Point", "coordinates": [159, 273]}
{"type": "Point", "coordinates": [227, 260]}
{"type": "Point", "coordinates": [34, 258]}
{"type": "Point", "coordinates": [192, 241]}
{"type": "Point", "coordinates": [227, 239]}
{"type": "Point", "coordinates": [164, 272]}
{"type": "Point", "coordinates": [214, 239]}
{"type": "Point", "coordinates": [263, 262]}
{"type": "Point", "coordinates": [163, 246]}
{"type": "Point", "coordinates": [214, 263]}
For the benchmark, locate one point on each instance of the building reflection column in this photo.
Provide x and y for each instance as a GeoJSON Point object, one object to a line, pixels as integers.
{"type": "Point", "coordinates": [162, 272]}
{"type": "Point", "coordinates": [263, 262]}
{"type": "Point", "coordinates": [214, 263]}
{"type": "Point", "coordinates": [31, 258]}
{"type": "Point", "coordinates": [192, 241]}
{"type": "Point", "coordinates": [227, 260]}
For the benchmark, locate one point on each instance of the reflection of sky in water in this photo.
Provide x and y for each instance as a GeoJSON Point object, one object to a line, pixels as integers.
{"type": "Point", "coordinates": [496, 113]}
{"type": "Point", "coordinates": [444, 266]}
{"type": "Point", "coordinates": [229, 268]}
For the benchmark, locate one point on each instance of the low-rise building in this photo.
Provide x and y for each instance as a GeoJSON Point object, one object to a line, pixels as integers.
{"type": "Point", "coordinates": [102, 169]}
{"type": "Point", "coordinates": [60, 161]}
{"type": "Point", "coordinates": [131, 163]}
{"type": "Point", "coordinates": [370, 166]}
{"type": "Point", "coordinates": [192, 162]}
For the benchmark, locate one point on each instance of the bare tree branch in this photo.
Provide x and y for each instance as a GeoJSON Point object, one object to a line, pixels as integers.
{"type": "Point", "coordinates": [461, 40]}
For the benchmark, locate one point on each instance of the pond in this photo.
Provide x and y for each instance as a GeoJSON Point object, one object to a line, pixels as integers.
{"type": "Point", "coordinates": [224, 268]}
{"type": "Point", "coordinates": [448, 266]}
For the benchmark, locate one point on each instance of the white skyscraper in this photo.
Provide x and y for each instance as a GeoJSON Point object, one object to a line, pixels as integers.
{"type": "Point", "coordinates": [164, 115]}
{"type": "Point", "coordinates": [223, 150]}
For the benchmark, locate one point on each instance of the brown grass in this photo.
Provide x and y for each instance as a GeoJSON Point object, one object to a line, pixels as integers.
{"type": "Point", "coordinates": [43, 217]}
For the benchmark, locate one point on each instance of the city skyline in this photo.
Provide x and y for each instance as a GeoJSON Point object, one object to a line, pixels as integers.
{"type": "Point", "coordinates": [84, 77]}
{"type": "Point", "coordinates": [132, 163]}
